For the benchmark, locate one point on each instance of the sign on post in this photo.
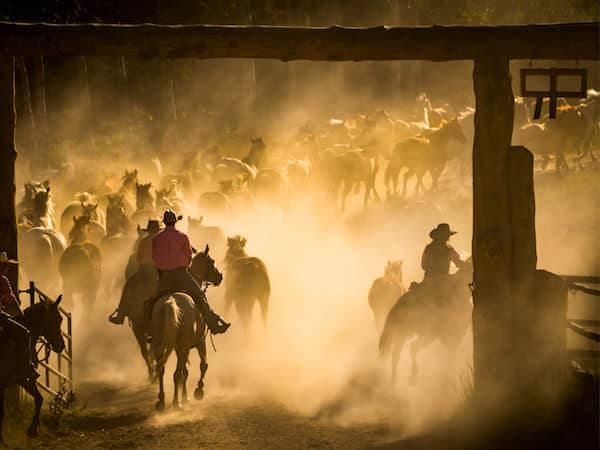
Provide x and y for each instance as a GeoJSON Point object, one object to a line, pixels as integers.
{"type": "Point", "coordinates": [547, 83]}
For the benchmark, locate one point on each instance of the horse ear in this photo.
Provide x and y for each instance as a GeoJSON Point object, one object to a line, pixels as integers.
{"type": "Point", "coordinates": [200, 219]}
{"type": "Point", "coordinates": [74, 219]}
{"type": "Point", "coordinates": [46, 184]}
{"type": "Point", "coordinates": [206, 250]}
{"type": "Point", "coordinates": [58, 300]}
{"type": "Point", "coordinates": [47, 189]}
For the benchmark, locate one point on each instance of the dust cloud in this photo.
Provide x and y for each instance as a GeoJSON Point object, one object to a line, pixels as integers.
{"type": "Point", "coordinates": [317, 355]}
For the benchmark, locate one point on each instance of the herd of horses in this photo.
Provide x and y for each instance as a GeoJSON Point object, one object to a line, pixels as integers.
{"type": "Point", "coordinates": [91, 245]}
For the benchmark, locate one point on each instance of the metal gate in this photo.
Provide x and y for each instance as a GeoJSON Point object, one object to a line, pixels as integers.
{"type": "Point", "coordinates": [52, 366]}
{"type": "Point", "coordinates": [584, 327]}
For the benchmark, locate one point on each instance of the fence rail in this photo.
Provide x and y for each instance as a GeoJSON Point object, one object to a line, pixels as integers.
{"type": "Point", "coordinates": [53, 380]}
{"type": "Point", "coordinates": [582, 327]}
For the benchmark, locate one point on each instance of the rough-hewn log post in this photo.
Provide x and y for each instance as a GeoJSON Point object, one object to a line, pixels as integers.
{"type": "Point", "coordinates": [523, 264]}
{"type": "Point", "coordinates": [492, 246]}
{"type": "Point", "coordinates": [8, 155]}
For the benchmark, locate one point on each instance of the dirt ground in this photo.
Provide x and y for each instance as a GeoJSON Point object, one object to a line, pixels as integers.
{"type": "Point", "coordinates": [116, 417]}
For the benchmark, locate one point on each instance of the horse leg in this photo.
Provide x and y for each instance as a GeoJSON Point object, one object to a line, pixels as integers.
{"type": "Point", "coordinates": [407, 175]}
{"type": "Point", "coordinates": [345, 192]}
{"type": "Point", "coordinates": [182, 375]}
{"type": "Point", "coordinates": [416, 345]}
{"type": "Point", "coordinates": [396, 351]}
{"type": "Point", "coordinates": [160, 405]}
{"type": "Point", "coordinates": [264, 309]}
{"type": "Point", "coordinates": [32, 389]}
{"type": "Point", "coordinates": [199, 392]}
{"type": "Point", "coordinates": [140, 337]}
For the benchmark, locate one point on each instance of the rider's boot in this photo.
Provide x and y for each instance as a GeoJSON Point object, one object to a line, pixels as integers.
{"type": "Point", "coordinates": [214, 322]}
{"type": "Point", "coordinates": [117, 317]}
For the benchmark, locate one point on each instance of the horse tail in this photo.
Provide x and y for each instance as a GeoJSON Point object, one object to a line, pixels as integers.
{"type": "Point", "coordinates": [164, 336]}
{"type": "Point", "coordinates": [390, 329]}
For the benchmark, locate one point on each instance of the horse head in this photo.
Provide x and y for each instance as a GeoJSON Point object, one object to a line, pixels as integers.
{"type": "Point", "coordinates": [393, 269]}
{"type": "Point", "coordinates": [143, 196]}
{"type": "Point", "coordinates": [235, 248]}
{"type": "Point", "coordinates": [129, 180]}
{"type": "Point", "coordinates": [44, 319]}
{"type": "Point", "coordinates": [203, 268]}
{"type": "Point", "coordinates": [79, 232]}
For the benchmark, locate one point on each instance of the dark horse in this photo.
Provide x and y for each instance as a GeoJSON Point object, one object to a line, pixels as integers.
{"type": "Point", "coordinates": [415, 313]}
{"type": "Point", "coordinates": [178, 325]}
{"type": "Point", "coordinates": [42, 320]}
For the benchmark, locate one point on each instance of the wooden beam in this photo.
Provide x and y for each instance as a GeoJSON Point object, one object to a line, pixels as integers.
{"type": "Point", "coordinates": [436, 43]}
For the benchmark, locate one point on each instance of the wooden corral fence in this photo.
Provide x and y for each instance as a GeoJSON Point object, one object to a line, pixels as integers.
{"type": "Point", "coordinates": [586, 328]}
{"type": "Point", "coordinates": [52, 366]}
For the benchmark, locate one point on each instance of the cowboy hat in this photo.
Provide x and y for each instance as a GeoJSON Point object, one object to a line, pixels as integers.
{"type": "Point", "coordinates": [442, 230]}
{"type": "Point", "coordinates": [170, 217]}
{"type": "Point", "coordinates": [153, 226]}
{"type": "Point", "coordinates": [4, 259]}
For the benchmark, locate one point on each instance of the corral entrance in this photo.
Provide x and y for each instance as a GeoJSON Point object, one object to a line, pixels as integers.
{"type": "Point", "coordinates": [504, 247]}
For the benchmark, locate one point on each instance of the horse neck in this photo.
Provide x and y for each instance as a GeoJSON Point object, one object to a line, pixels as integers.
{"type": "Point", "coordinates": [144, 201]}
{"type": "Point", "coordinates": [31, 320]}
{"type": "Point", "coordinates": [79, 237]}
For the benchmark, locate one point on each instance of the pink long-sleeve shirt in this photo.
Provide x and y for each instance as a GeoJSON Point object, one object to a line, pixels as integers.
{"type": "Point", "coordinates": [171, 249]}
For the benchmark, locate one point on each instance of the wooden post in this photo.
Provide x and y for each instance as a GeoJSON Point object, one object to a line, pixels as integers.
{"type": "Point", "coordinates": [8, 155]}
{"type": "Point", "coordinates": [492, 245]}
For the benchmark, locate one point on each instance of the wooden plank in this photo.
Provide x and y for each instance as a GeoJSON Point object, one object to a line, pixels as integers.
{"type": "Point", "coordinates": [589, 279]}
{"type": "Point", "coordinates": [435, 43]}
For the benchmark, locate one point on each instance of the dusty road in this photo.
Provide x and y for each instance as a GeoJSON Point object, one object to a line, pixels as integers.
{"type": "Point", "coordinates": [124, 418]}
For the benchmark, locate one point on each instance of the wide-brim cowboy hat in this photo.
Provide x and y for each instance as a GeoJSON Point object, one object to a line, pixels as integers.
{"type": "Point", "coordinates": [442, 230]}
{"type": "Point", "coordinates": [153, 225]}
{"type": "Point", "coordinates": [170, 217]}
{"type": "Point", "coordinates": [4, 259]}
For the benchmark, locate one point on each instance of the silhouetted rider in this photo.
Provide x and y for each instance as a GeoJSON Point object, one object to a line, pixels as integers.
{"type": "Point", "coordinates": [11, 328]}
{"type": "Point", "coordinates": [436, 260]}
{"type": "Point", "coordinates": [172, 254]}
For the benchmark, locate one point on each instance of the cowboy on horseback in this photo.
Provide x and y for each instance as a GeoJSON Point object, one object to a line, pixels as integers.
{"type": "Point", "coordinates": [172, 254]}
{"type": "Point", "coordinates": [436, 259]}
{"type": "Point", "coordinates": [10, 327]}
{"type": "Point", "coordinates": [146, 270]}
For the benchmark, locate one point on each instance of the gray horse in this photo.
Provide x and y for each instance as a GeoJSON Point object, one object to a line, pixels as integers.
{"type": "Point", "coordinates": [176, 324]}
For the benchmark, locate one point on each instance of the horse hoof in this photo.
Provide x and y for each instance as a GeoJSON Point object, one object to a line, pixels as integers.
{"type": "Point", "coordinates": [199, 394]}
{"type": "Point", "coordinates": [185, 400]}
{"type": "Point", "coordinates": [160, 406]}
{"type": "Point", "coordinates": [33, 431]}
{"type": "Point", "coordinates": [177, 405]}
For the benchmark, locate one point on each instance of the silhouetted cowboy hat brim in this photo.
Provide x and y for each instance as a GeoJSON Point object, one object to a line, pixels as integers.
{"type": "Point", "coordinates": [442, 233]}
{"type": "Point", "coordinates": [4, 259]}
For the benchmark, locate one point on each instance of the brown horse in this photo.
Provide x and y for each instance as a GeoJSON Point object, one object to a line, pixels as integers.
{"type": "Point", "coordinates": [81, 265]}
{"type": "Point", "coordinates": [247, 282]}
{"type": "Point", "coordinates": [343, 168]}
{"type": "Point", "coordinates": [84, 204]}
{"type": "Point", "coordinates": [145, 207]}
{"type": "Point", "coordinates": [385, 292]}
{"type": "Point", "coordinates": [177, 325]}
{"type": "Point", "coordinates": [416, 314]}
{"type": "Point", "coordinates": [42, 320]}
{"type": "Point", "coordinates": [420, 155]}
